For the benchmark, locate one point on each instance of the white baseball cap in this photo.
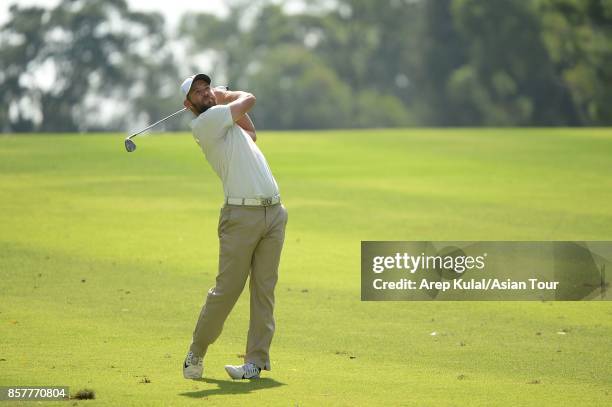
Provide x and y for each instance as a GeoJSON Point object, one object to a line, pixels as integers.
{"type": "Point", "coordinates": [186, 85]}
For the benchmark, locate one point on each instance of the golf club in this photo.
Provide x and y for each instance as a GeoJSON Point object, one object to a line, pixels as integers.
{"type": "Point", "coordinates": [131, 146]}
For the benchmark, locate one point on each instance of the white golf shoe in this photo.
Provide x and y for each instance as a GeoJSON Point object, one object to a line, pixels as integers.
{"type": "Point", "coordinates": [246, 371]}
{"type": "Point", "coordinates": [193, 367]}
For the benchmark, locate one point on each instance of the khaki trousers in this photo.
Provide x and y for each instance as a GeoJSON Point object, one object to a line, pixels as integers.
{"type": "Point", "coordinates": [251, 239]}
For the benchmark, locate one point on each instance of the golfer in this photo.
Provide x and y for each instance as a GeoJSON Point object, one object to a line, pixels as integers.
{"type": "Point", "coordinates": [251, 225]}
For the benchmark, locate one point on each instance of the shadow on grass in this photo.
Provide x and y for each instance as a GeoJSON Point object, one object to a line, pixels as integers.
{"type": "Point", "coordinates": [233, 387]}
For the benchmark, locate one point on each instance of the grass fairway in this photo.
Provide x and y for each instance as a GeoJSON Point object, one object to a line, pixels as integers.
{"type": "Point", "coordinates": [106, 257]}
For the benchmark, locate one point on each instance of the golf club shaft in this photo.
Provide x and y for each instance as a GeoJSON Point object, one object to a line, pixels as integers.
{"type": "Point", "coordinates": [158, 122]}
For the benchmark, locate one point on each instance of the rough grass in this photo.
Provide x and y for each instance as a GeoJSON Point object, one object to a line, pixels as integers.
{"type": "Point", "coordinates": [105, 259]}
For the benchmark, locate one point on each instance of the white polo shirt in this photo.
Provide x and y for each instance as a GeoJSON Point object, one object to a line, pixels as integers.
{"type": "Point", "coordinates": [233, 155]}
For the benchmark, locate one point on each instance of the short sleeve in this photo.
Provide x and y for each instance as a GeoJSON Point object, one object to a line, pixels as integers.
{"type": "Point", "coordinates": [213, 122]}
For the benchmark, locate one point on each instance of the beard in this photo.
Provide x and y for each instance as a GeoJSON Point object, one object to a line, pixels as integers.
{"type": "Point", "coordinates": [202, 107]}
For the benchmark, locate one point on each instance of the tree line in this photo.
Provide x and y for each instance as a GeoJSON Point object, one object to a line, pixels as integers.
{"type": "Point", "coordinates": [97, 65]}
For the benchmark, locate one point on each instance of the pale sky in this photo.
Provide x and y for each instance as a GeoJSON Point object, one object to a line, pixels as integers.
{"type": "Point", "coordinates": [172, 10]}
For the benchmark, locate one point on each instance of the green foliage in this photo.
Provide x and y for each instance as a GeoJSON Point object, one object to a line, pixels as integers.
{"type": "Point", "coordinates": [356, 63]}
{"type": "Point", "coordinates": [374, 109]}
{"type": "Point", "coordinates": [307, 72]}
{"type": "Point", "coordinates": [92, 51]}
{"type": "Point", "coordinates": [578, 35]}
{"type": "Point", "coordinates": [441, 52]}
{"type": "Point", "coordinates": [517, 79]}
{"type": "Point", "coordinates": [296, 90]}
{"type": "Point", "coordinates": [19, 46]}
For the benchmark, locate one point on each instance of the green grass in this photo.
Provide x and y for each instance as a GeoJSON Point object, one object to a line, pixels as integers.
{"type": "Point", "coordinates": [106, 257]}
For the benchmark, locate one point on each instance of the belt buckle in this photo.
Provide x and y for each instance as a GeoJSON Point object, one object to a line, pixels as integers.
{"type": "Point", "coordinates": [266, 201]}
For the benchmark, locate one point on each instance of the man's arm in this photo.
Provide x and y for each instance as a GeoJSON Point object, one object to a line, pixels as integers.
{"type": "Point", "coordinates": [240, 103]}
{"type": "Point", "coordinates": [247, 125]}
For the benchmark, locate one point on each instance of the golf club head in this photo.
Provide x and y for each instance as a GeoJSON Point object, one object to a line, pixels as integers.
{"type": "Point", "coordinates": [129, 145]}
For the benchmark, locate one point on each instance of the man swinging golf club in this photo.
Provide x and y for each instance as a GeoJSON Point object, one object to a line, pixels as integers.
{"type": "Point", "coordinates": [251, 225]}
